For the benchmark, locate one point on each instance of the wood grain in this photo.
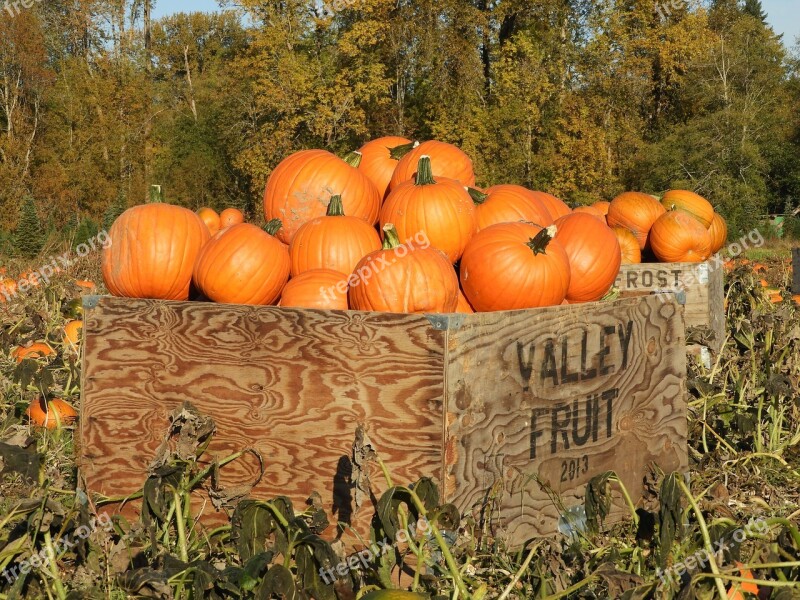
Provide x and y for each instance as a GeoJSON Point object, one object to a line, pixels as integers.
{"type": "Point", "coordinates": [795, 271]}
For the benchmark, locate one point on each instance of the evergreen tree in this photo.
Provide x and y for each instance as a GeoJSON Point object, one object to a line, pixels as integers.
{"type": "Point", "coordinates": [28, 237]}
{"type": "Point", "coordinates": [755, 9]}
{"type": "Point", "coordinates": [114, 210]}
{"type": "Point", "coordinates": [87, 229]}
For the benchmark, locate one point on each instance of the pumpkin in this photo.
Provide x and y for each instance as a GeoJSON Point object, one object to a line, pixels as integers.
{"type": "Point", "coordinates": [513, 266]}
{"type": "Point", "coordinates": [690, 203]}
{"type": "Point", "coordinates": [556, 207]}
{"type": "Point", "coordinates": [155, 247]}
{"type": "Point", "coordinates": [301, 186]}
{"type": "Point", "coordinates": [323, 289]}
{"type": "Point", "coordinates": [448, 161]}
{"type": "Point", "coordinates": [211, 219]}
{"type": "Point", "coordinates": [796, 298]}
{"type": "Point", "coordinates": [602, 206]}
{"type": "Point", "coordinates": [51, 415]}
{"type": "Point", "coordinates": [735, 592]}
{"type": "Point", "coordinates": [718, 230]}
{"type": "Point", "coordinates": [594, 256]}
{"type": "Point", "coordinates": [592, 211]}
{"type": "Point", "coordinates": [377, 160]}
{"type": "Point", "coordinates": [335, 242]}
{"type": "Point", "coordinates": [508, 204]}
{"type": "Point", "coordinates": [72, 333]}
{"type": "Point", "coordinates": [404, 279]}
{"type": "Point", "coordinates": [8, 289]}
{"type": "Point", "coordinates": [243, 264]}
{"type": "Point", "coordinates": [629, 246]}
{"type": "Point", "coordinates": [636, 212]}
{"type": "Point", "coordinates": [677, 237]}
{"type": "Point", "coordinates": [439, 209]}
{"type": "Point", "coordinates": [229, 217]}
{"type": "Point", "coordinates": [36, 350]}
{"type": "Point", "coordinates": [464, 306]}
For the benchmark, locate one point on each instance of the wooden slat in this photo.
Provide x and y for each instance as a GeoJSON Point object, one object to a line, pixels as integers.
{"type": "Point", "coordinates": [795, 271]}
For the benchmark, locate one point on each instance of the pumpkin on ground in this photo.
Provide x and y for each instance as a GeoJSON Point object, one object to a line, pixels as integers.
{"type": "Point", "coordinates": [301, 186]}
{"type": "Point", "coordinates": [513, 266]}
{"type": "Point", "coordinates": [211, 219]}
{"type": "Point", "coordinates": [335, 242]}
{"type": "Point", "coordinates": [690, 203]}
{"type": "Point", "coordinates": [594, 256]}
{"type": "Point", "coordinates": [155, 247]}
{"type": "Point", "coordinates": [628, 246]}
{"type": "Point", "coordinates": [8, 289]}
{"type": "Point", "coordinates": [404, 279]}
{"type": "Point", "coordinates": [448, 161]}
{"type": "Point", "coordinates": [436, 207]}
{"type": "Point", "coordinates": [243, 264]}
{"type": "Point", "coordinates": [636, 212]}
{"type": "Point", "coordinates": [718, 230]}
{"type": "Point", "coordinates": [678, 237]}
{"type": "Point", "coordinates": [555, 206]}
{"type": "Point", "coordinates": [72, 333]}
{"type": "Point", "coordinates": [323, 289]}
{"type": "Point", "coordinates": [508, 204]}
{"type": "Point", "coordinates": [33, 351]}
{"type": "Point", "coordinates": [377, 160]}
{"type": "Point", "coordinates": [51, 415]}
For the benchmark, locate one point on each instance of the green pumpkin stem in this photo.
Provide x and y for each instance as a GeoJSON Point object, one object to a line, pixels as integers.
{"type": "Point", "coordinates": [273, 227]}
{"type": "Point", "coordinates": [335, 207]}
{"type": "Point", "coordinates": [353, 159]}
{"type": "Point", "coordinates": [390, 238]}
{"type": "Point", "coordinates": [425, 171]}
{"type": "Point", "coordinates": [478, 197]}
{"type": "Point", "coordinates": [398, 152]}
{"type": "Point", "coordinates": [539, 243]}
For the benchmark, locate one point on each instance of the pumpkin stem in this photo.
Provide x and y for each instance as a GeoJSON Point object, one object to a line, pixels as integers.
{"type": "Point", "coordinates": [273, 226]}
{"type": "Point", "coordinates": [390, 238]}
{"type": "Point", "coordinates": [425, 171]}
{"type": "Point", "coordinates": [353, 159]}
{"type": "Point", "coordinates": [539, 243]}
{"type": "Point", "coordinates": [399, 152]}
{"type": "Point", "coordinates": [335, 207]}
{"type": "Point", "coordinates": [478, 197]}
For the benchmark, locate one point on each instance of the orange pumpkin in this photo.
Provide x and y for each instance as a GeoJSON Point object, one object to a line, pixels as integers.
{"type": "Point", "coordinates": [72, 333]}
{"type": "Point", "coordinates": [335, 242]}
{"type": "Point", "coordinates": [636, 212]}
{"type": "Point", "coordinates": [301, 186]}
{"type": "Point", "coordinates": [508, 204]}
{"type": "Point", "coordinates": [404, 279]}
{"type": "Point", "coordinates": [512, 266]}
{"type": "Point", "coordinates": [602, 206]}
{"type": "Point", "coordinates": [33, 351]}
{"type": "Point", "coordinates": [377, 160]}
{"type": "Point", "coordinates": [229, 217]}
{"type": "Point", "coordinates": [8, 289]}
{"type": "Point", "coordinates": [629, 246]}
{"type": "Point", "coordinates": [448, 161]}
{"type": "Point", "coordinates": [243, 264]}
{"type": "Point", "coordinates": [439, 209]}
{"type": "Point", "coordinates": [594, 256]}
{"type": "Point", "coordinates": [155, 247]}
{"type": "Point", "coordinates": [464, 306]}
{"type": "Point", "coordinates": [718, 230]}
{"type": "Point", "coordinates": [322, 289]}
{"type": "Point", "coordinates": [211, 219]}
{"type": "Point", "coordinates": [556, 207]}
{"type": "Point", "coordinates": [690, 203]}
{"type": "Point", "coordinates": [592, 211]}
{"type": "Point", "coordinates": [677, 237]}
{"type": "Point", "coordinates": [86, 285]}
{"type": "Point", "coordinates": [735, 592]}
{"type": "Point", "coordinates": [51, 415]}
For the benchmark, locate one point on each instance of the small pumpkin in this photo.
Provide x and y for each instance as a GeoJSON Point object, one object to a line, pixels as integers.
{"type": "Point", "coordinates": [629, 246]}
{"type": "Point", "coordinates": [678, 237]}
{"type": "Point", "coordinates": [736, 589]}
{"type": "Point", "coordinates": [72, 333]}
{"type": "Point", "coordinates": [33, 351]}
{"type": "Point", "coordinates": [690, 203]}
{"type": "Point", "coordinates": [464, 307]}
{"type": "Point", "coordinates": [378, 161]}
{"type": "Point", "coordinates": [335, 242]}
{"type": "Point", "coordinates": [594, 256]}
{"type": "Point", "coordinates": [51, 415]}
{"type": "Point", "coordinates": [211, 219]}
{"type": "Point", "coordinates": [322, 289]}
{"type": "Point", "coordinates": [512, 266]}
{"type": "Point", "coordinates": [230, 217]}
{"type": "Point", "coordinates": [404, 279]}
{"type": "Point", "coordinates": [8, 289]}
{"type": "Point", "coordinates": [448, 161]}
{"type": "Point", "coordinates": [718, 230]}
{"type": "Point", "coordinates": [438, 208]}
{"type": "Point", "coordinates": [243, 264]}
{"type": "Point", "coordinates": [602, 207]}
{"type": "Point", "coordinates": [155, 247]}
{"type": "Point", "coordinates": [555, 206]}
{"type": "Point", "coordinates": [88, 286]}
{"type": "Point", "coordinates": [636, 212]}
{"type": "Point", "coordinates": [508, 204]}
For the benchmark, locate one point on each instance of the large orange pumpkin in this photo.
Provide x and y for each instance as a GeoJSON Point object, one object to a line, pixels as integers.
{"type": "Point", "coordinates": [636, 212]}
{"type": "Point", "coordinates": [301, 186]}
{"type": "Point", "coordinates": [322, 289]}
{"type": "Point", "coordinates": [153, 250]}
{"type": "Point", "coordinates": [508, 204]}
{"type": "Point", "coordinates": [52, 414]}
{"type": "Point", "coordinates": [211, 219]}
{"type": "Point", "coordinates": [404, 279]}
{"type": "Point", "coordinates": [691, 203]}
{"type": "Point", "coordinates": [555, 206]}
{"type": "Point", "coordinates": [439, 209]}
{"type": "Point", "coordinates": [718, 230]}
{"type": "Point", "coordinates": [594, 256]}
{"type": "Point", "coordinates": [33, 351]}
{"type": "Point", "coordinates": [230, 217]}
{"type": "Point", "coordinates": [512, 266]}
{"type": "Point", "coordinates": [677, 237]}
{"type": "Point", "coordinates": [629, 246]}
{"type": "Point", "coordinates": [243, 264]}
{"type": "Point", "coordinates": [448, 161]}
{"type": "Point", "coordinates": [592, 211]}
{"type": "Point", "coordinates": [377, 161]}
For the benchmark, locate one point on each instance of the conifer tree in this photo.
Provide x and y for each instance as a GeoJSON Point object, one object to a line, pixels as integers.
{"type": "Point", "coordinates": [28, 237]}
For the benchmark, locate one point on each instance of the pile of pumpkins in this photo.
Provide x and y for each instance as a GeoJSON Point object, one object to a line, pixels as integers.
{"type": "Point", "coordinates": [400, 227]}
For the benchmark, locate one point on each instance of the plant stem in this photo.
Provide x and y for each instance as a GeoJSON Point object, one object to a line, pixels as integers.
{"type": "Point", "coordinates": [51, 551]}
{"type": "Point", "coordinates": [424, 172]}
{"type": "Point", "coordinates": [353, 159]}
{"type": "Point", "coordinates": [390, 238]}
{"type": "Point", "coordinates": [518, 574]}
{"type": "Point", "coordinates": [539, 243]}
{"type": "Point", "coordinates": [181, 526]}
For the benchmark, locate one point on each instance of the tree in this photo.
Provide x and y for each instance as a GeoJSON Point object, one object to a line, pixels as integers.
{"type": "Point", "coordinates": [754, 9]}
{"type": "Point", "coordinates": [28, 238]}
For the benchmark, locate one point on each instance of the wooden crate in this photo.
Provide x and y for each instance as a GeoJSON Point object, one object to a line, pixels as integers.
{"type": "Point", "coordinates": [700, 287]}
{"type": "Point", "coordinates": [524, 403]}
